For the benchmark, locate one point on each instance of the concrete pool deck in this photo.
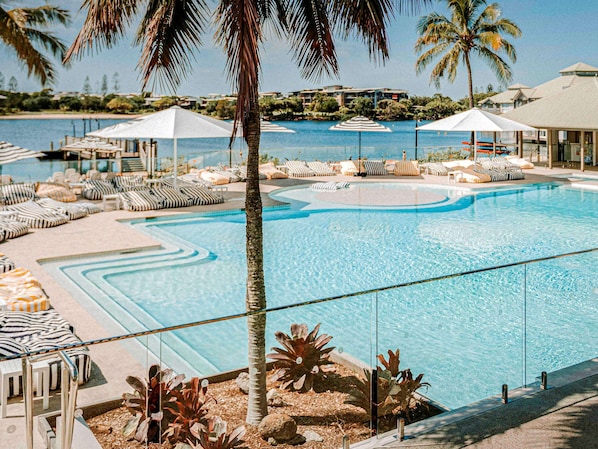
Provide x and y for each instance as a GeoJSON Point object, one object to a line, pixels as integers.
{"type": "Point", "coordinates": [103, 232]}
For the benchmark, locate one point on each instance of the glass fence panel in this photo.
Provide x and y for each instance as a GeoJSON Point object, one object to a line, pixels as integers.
{"type": "Point", "coordinates": [561, 313]}
{"type": "Point", "coordinates": [464, 334]}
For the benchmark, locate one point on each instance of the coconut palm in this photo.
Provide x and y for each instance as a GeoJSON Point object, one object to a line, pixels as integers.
{"type": "Point", "coordinates": [470, 31]}
{"type": "Point", "coordinates": [170, 31]}
{"type": "Point", "coordinates": [22, 29]}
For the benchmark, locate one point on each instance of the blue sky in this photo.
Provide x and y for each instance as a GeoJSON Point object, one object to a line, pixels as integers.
{"type": "Point", "coordinates": [556, 34]}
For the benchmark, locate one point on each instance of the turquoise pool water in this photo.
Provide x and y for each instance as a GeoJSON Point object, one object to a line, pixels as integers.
{"type": "Point", "coordinates": [468, 334]}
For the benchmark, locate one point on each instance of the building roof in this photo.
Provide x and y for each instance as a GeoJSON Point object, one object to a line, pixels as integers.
{"type": "Point", "coordinates": [575, 108]}
{"type": "Point", "coordinates": [580, 68]}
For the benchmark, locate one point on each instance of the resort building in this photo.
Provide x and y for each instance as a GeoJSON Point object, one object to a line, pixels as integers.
{"type": "Point", "coordinates": [519, 94]}
{"type": "Point", "coordinates": [345, 95]}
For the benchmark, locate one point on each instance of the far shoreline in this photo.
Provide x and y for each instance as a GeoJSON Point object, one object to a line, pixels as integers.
{"type": "Point", "coordinates": [66, 116]}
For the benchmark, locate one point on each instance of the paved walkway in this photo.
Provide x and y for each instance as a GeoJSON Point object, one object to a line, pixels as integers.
{"type": "Point", "coordinates": [104, 232]}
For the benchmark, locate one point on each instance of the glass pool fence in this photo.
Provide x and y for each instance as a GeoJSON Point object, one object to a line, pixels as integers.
{"type": "Point", "coordinates": [501, 328]}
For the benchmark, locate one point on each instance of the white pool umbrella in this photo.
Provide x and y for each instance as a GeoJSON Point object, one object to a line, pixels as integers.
{"type": "Point", "coordinates": [12, 153]}
{"type": "Point", "coordinates": [360, 124]}
{"type": "Point", "coordinates": [269, 127]}
{"type": "Point", "coordinates": [475, 120]}
{"type": "Point", "coordinates": [172, 123]}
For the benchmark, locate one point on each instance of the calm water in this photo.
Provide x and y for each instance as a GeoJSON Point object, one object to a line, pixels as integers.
{"type": "Point", "coordinates": [468, 335]}
{"type": "Point", "coordinates": [312, 141]}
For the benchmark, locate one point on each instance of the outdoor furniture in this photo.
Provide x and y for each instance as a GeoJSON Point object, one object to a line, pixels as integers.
{"type": "Point", "coordinates": [113, 197]}
{"type": "Point", "coordinates": [14, 369]}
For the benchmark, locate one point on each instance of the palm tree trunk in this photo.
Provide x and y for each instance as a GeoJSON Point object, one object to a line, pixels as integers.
{"type": "Point", "coordinates": [255, 298]}
{"type": "Point", "coordinates": [469, 79]}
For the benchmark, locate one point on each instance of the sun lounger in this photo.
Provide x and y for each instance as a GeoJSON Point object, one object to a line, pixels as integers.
{"type": "Point", "coordinates": [90, 208]}
{"type": "Point", "coordinates": [348, 168]}
{"type": "Point", "coordinates": [12, 228]}
{"type": "Point", "coordinates": [22, 332]}
{"type": "Point", "coordinates": [21, 291]}
{"type": "Point", "coordinates": [213, 177]}
{"type": "Point", "coordinates": [35, 216]}
{"type": "Point", "coordinates": [271, 172]}
{"type": "Point", "coordinates": [521, 163]}
{"type": "Point", "coordinates": [17, 193]}
{"type": "Point", "coordinates": [58, 192]}
{"type": "Point", "coordinates": [466, 174]}
{"type": "Point", "coordinates": [232, 177]}
{"type": "Point", "coordinates": [95, 189]}
{"type": "Point", "coordinates": [329, 186]}
{"type": "Point", "coordinates": [435, 168]}
{"type": "Point", "coordinates": [320, 168]}
{"type": "Point", "coordinates": [128, 183]}
{"type": "Point", "coordinates": [243, 173]}
{"type": "Point", "coordinates": [6, 264]}
{"type": "Point", "coordinates": [374, 168]}
{"type": "Point", "coordinates": [457, 164]}
{"type": "Point", "coordinates": [406, 168]}
{"type": "Point", "coordinates": [72, 210]}
{"type": "Point", "coordinates": [201, 196]}
{"type": "Point", "coordinates": [298, 169]}
{"type": "Point", "coordinates": [139, 200]}
{"type": "Point", "coordinates": [169, 197]}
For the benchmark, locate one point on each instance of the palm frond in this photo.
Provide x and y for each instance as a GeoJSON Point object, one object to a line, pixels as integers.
{"type": "Point", "coordinates": [310, 36]}
{"type": "Point", "coordinates": [239, 33]}
{"type": "Point", "coordinates": [427, 57]}
{"type": "Point", "coordinates": [498, 65]}
{"type": "Point", "coordinates": [170, 31]}
{"type": "Point", "coordinates": [46, 15]}
{"type": "Point", "coordinates": [446, 65]}
{"type": "Point", "coordinates": [106, 22]}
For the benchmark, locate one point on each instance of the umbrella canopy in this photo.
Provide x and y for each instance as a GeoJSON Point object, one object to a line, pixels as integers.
{"type": "Point", "coordinates": [475, 120]}
{"type": "Point", "coordinates": [360, 124]}
{"type": "Point", "coordinates": [269, 127]}
{"type": "Point", "coordinates": [172, 123]}
{"type": "Point", "coordinates": [92, 145]}
{"type": "Point", "coordinates": [12, 153]}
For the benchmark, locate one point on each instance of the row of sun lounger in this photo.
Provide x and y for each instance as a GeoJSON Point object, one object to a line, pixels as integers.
{"type": "Point", "coordinates": [27, 323]}
{"type": "Point", "coordinates": [485, 170]}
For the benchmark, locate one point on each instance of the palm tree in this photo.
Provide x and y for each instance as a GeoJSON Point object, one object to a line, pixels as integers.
{"type": "Point", "coordinates": [169, 31]}
{"type": "Point", "coordinates": [468, 32]}
{"type": "Point", "coordinates": [23, 28]}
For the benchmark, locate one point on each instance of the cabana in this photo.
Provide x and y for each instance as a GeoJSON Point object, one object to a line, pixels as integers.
{"type": "Point", "coordinates": [574, 109]}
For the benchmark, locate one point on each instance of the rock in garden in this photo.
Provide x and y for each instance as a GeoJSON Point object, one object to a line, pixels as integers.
{"type": "Point", "coordinates": [279, 426]}
{"type": "Point", "coordinates": [310, 435]}
{"type": "Point", "coordinates": [243, 382]}
{"type": "Point", "coordinates": [274, 399]}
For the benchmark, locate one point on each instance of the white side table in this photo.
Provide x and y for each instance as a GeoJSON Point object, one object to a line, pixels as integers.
{"type": "Point", "coordinates": [14, 368]}
{"type": "Point", "coordinates": [112, 197]}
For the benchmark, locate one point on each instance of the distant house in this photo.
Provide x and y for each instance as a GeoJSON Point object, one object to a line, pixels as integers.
{"type": "Point", "coordinates": [345, 95]}
{"type": "Point", "coordinates": [519, 94]}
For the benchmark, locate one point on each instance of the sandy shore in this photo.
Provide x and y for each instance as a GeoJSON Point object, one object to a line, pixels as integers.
{"type": "Point", "coordinates": [63, 116]}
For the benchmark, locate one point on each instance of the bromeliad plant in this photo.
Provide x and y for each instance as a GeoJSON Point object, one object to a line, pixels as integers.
{"type": "Point", "coordinates": [396, 389]}
{"type": "Point", "coordinates": [147, 402]}
{"type": "Point", "coordinates": [302, 358]}
{"type": "Point", "coordinates": [188, 408]}
{"type": "Point", "coordinates": [212, 435]}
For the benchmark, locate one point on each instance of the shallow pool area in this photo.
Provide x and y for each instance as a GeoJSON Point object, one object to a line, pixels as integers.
{"type": "Point", "coordinates": [467, 334]}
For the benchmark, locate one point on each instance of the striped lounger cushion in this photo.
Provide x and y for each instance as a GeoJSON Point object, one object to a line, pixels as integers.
{"type": "Point", "coordinates": [171, 197]}
{"type": "Point", "coordinates": [17, 193]}
{"type": "Point", "coordinates": [95, 189]}
{"type": "Point", "coordinates": [406, 168]}
{"type": "Point", "coordinates": [129, 183]}
{"type": "Point", "coordinates": [139, 201]}
{"type": "Point", "coordinates": [374, 168]}
{"type": "Point", "coordinates": [200, 196]}
{"type": "Point", "coordinates": [13, 228]}
{"type": "Point", "coordinates": [324, 186]}
{"type": "Point", "coordinates": [90, 208]}
{"type": "Point", "coordinates": [298, 169]}
{"type": "Point", "coordinates": [6, 264]}
{"type": "Point", "coordinates": [35, 216]}
{"type": "Point", "coordinates": [21, 324]}
{"type": "Point", "coordinates": [55, 191]}
{"type": "Point", "coordinates": [320, 168]}
{"type": "Point", "coordinates": [72, 211]}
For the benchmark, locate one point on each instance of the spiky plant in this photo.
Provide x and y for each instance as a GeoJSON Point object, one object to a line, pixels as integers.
{"type": "Point", "coordinates": [396, 388]}
{"type": "Point", "coordinates": [147, 401]}
{"type": "Point", "coordinates": [188, 407]}
{"type": "Point", "coordinates": [302, 358]}
{"type": "Point", "coordinates": [212, 435]}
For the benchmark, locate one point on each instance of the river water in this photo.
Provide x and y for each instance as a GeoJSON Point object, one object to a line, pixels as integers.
{"type": "Point", "coordinates": [312, 140]}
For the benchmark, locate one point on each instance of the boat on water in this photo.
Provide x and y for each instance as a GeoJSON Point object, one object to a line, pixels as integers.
{"type": "Point", "coordinates": [486, 147]}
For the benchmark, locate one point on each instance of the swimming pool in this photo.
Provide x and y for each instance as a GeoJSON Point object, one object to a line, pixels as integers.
{"type": "Point", "coordinates": [468, 335]}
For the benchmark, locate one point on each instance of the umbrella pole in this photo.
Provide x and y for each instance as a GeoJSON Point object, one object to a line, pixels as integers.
{"type": "Point", "coordinates": [174, 170]}
{"type": "Point", "coordinates": [475, 147]}
{"type": "Point", "coordinates": [494, 145]}
{"type": "Point", "coordinates": [359, 155]}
